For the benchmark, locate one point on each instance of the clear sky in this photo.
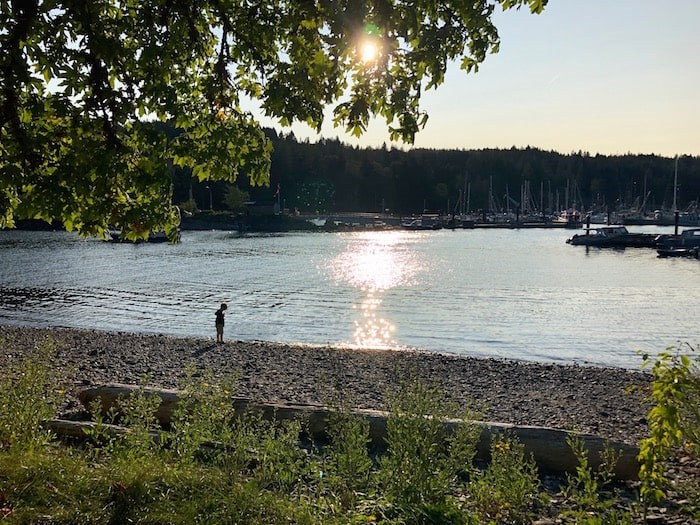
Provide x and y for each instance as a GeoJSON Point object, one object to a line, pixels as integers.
{"type": "Point", "coordinates": [602, 76]}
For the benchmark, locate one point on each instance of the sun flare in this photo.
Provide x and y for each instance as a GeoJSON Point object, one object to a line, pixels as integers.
{"type": "Point", "coordinates": [369, 51]}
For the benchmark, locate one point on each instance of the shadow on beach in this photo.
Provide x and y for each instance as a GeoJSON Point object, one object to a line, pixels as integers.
{"type": "Point", "coordinates": [204, 350]}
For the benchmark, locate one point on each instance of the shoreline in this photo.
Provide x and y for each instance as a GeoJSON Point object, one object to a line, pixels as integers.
{"type": "Point", "coordinates": [608, 402]}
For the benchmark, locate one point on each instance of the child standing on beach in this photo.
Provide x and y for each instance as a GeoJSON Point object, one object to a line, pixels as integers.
{"type": "Point", "coordinates": [220, 323]}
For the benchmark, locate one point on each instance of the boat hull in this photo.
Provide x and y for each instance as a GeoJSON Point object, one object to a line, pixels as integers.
{"type": "Point", "coordinates": [614, 237]}
{"type": "Point", "coordinates": [679, 252]}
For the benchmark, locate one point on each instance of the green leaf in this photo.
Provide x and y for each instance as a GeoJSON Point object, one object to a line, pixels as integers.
{"type": "Point", "coordinates": [121, 62]}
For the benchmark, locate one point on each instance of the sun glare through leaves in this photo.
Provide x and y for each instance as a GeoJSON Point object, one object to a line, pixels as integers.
{"type": "Point", "coordinates": [369, 51]}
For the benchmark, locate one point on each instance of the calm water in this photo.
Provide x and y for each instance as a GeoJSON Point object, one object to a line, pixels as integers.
{"type": "Point", "coordinates": [521, 294]}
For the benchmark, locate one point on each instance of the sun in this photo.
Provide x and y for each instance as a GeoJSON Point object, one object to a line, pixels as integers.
{"type": "Point", "coordinates": [369, 51]}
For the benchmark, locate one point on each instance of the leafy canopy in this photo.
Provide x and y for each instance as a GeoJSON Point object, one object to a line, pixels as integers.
{"type": "Point", "coordinates": [84, 83]}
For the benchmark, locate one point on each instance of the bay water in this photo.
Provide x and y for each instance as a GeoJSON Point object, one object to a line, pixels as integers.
{"type": "Point", "coordinates": [520, 294]}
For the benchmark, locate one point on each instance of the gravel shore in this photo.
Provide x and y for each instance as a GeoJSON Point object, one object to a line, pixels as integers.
{"type": "Point", "coordinates": [603, 401]}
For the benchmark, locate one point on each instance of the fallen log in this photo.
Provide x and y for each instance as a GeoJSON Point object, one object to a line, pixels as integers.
{"type": "Point", "coordinates": [548, 446]}
{"type": "Point", "coordinates": [81, 429]}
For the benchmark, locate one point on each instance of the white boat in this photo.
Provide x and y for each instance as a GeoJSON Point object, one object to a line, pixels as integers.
{"type": "Point", "coordinates": [418, 224]}
{"type": "Point", "coordinates": [424, 222]}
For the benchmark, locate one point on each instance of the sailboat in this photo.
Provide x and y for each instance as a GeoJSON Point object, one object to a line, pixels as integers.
{"type": "Point", "coordinates": [687, 217]}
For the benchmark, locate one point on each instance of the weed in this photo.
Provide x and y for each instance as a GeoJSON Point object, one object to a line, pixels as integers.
{"type": "Point", "coordinates": [215, 465]}
{"type": "Point", "coordinates": [205, 415]}
{"type": "Point", "coordinates": [674, 424]}
{"type": "Point", "coordinates": [587, 489]}
{"type": "Point", "coordinates": [348, 465]}
{"type": "Point", "coordinates": [507, 490]}
{"type": "Point", "coordinates": [29, 395]}
{"type": "Point", "coordinates": [419, 473]}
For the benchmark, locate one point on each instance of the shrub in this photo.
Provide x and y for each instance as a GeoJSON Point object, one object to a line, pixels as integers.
{"type": "Point", "coordinates": [420, 471]}
{"type": "Point", "coordinates": [218, 466]}
{"type": "Point", "coordinates": [205, 415]}
{"type": "Point", "coordinates": [674, 420]}
{"type": "Point", "coordinates": [585, 488]}
{"type": "Point", "coordinates": [508, 489]}
{"type": "Point", "coordinates": [29, 395]}
{"type": "Point", "coordinates": [348, 465]}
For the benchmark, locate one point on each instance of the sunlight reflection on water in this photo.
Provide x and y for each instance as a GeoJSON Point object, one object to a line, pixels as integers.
{"type": "Point", "coordinates": [371, 330]}
{"type": "Point", "coordinates": [372, 263]}
{"type": "Point", "coordinates": [375, 261]}
{"type": "Point", "coordinates": [505, 293]}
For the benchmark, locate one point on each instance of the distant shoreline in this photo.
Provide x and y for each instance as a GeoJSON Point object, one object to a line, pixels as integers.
{"type": "Point", "coordinates": [602, 401]}
{"type": "Point", "coordinates": [282, 223]}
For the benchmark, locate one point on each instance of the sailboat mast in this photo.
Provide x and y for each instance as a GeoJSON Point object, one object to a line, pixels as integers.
{"type": "Point", "coordinates": [464, 195]}
{"type": "Point", "coordinates": [469, 195]}
{"type": "Point", "coordinates": [675, 185]}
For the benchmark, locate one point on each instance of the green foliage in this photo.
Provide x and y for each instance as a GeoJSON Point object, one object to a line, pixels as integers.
{"type": "Point", "coordinates": [204, 414]}
{"type": "Point", "coordinates": [332, 176]}
{"type": "Point", "coordinates": [422, 465]}
{"type": "Point", "coordinates": [79, 80]}
{"type": "Point", "coordinates": [188, 206]}
{"type": "Point", "coordinates": [99, 439]}
{"type": "Point", "coordinates": [348, 465]}
{"type": "Point", "coordinates": [586, 488]}
{"type": "Point", "coordinates": [235, 198]}
{"type": "Point", "coordinates": [29, 395]}
{"type": "Point", "coordinates": [50, 485]}
{"type": "Point", "coordinates": [508, 490]}
{"type": "Point", "coordinates": [674, 420]}
{"type": "Point", "coordinates": [217, 465]}
{"type": "Point", "coordinates": [314, 195]}
{"type": "Point", "coordinates": [281, 462]}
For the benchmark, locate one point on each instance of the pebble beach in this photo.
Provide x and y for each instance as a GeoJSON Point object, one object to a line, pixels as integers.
{"type": "Point", "coordinates": [608, 402]}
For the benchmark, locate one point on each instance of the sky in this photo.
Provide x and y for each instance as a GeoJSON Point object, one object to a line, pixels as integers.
{"type": "Point", "coordinates": [599, 76]}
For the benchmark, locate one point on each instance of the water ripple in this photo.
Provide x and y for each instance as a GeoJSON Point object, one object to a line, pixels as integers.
{"type": "Point", "coordinates": [513, 294]}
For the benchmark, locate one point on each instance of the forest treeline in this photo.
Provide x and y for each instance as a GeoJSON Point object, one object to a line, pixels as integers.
{"type": "Point", "coordinates": [330, 176]}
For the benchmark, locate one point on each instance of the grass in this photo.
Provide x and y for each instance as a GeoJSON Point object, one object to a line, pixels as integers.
{"type": "Point", "coordinates": [216, 466]}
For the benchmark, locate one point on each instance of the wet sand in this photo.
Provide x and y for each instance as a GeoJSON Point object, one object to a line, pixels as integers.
{"type": "Point", "coordinates": [603, 401]}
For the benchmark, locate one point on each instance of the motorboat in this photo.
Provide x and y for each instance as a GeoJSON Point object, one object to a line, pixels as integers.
{"type": "Point", "coordinates": [687, 239]}
{"type": "Point", "coordinates": [419, 224]}
{"type": "Point", "coordinates": [693, 252]}
{"type": "Point", "coordinates": [600, 236]}
{"type": "Point", "coordinates": [613, 237]}
{"type": "Point", "coordinates": [424, 222]}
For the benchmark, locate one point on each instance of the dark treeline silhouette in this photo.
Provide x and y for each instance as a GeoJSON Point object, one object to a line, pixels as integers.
{"type": "Point", "coordinates": [330, 176]}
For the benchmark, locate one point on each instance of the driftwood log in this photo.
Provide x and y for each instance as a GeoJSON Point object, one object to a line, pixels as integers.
{"type": "Point", "coordinates": [68, 428]}
{"type": "Point", "coordinates": [548, 446]}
